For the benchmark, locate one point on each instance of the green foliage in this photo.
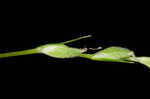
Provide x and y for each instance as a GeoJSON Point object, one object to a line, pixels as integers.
{"type": "Point", "coordinates": [60, 50]}
{"type": "Point", "coordinates": [144, 60]}
{"type": "Point", "coordinates": [113, 54]}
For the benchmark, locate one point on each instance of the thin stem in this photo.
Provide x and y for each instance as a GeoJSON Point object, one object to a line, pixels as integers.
{"type": "Point", "coordinates": [86, 56]}
{"type": "Point", "coordinates": [18, 53]}
{"type": "Point", "coordinates": [66, 42]}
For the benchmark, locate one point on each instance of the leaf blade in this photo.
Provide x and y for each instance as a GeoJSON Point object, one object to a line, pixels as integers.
{"type": "Point", "coordinates": [114, 54]}
{"type": "Point", "coordinates": [60, 51]}
{"type": "Point", "coordinates": [144, 60]}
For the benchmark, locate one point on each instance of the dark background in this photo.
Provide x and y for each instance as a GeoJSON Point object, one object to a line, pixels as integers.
{"type": "Point", "coordinates": [28, 25]}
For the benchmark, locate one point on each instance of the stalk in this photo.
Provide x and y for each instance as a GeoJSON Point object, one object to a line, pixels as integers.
{"type": "Point", "coordinates": [19, 53]}
{"type": "Point", "coordinates": [88, 56]}
{"type": "Point", "coordinates": [77, 39]}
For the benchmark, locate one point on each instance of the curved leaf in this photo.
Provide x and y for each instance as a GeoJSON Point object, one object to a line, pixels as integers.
{"type": "Point", "coordinates": [144, 60]}
{"type": "Point", "coordinates": [60, 51]}
{"type": "Point", "coordinates": [113, 54]}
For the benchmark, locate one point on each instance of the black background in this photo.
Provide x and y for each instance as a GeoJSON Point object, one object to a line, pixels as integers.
{"type": "Point", "coordinates": [27, 25]}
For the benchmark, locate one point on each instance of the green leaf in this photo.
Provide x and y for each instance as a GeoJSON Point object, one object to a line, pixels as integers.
{"type": "Point", "coordinates": [144, 60]}
{"type": "Point", "coordinates": [60, 51]}
{"type": "Point", "coordinates": [113, 54]}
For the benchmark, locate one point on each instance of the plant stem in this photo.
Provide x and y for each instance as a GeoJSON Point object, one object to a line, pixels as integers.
{"type": "Point", "coordinates": [66, 42]}
{"type": "Point", "coordinates": [86, 56]}
{"type": "Point", "coordinates": [18, 53]}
